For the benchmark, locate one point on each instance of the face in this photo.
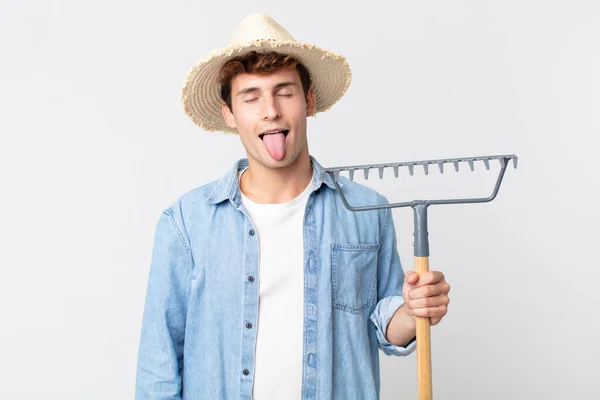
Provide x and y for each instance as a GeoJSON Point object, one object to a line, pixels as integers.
{"type": "Point", "coordinates": [269, 112]}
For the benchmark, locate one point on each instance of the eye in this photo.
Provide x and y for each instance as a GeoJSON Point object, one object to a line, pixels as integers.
{"type": "Point", "coordinates": [285, 95]}
{"type": "Point", "coordinates": [251, 100]}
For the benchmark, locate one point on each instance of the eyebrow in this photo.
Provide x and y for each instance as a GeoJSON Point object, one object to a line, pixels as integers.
{"type": "Point", "coordinates": [254, 89]}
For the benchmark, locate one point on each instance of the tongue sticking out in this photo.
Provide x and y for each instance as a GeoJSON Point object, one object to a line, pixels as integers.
{"type": "Point", "coordinates": [275, 144]}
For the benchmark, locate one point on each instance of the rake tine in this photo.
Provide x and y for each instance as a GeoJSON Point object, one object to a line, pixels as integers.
{"type": "Point", "coordinates": [504, 161]}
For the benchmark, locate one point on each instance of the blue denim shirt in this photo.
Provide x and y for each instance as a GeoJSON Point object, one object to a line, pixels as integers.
{"type": "Point", "coordinates": [203, 289]}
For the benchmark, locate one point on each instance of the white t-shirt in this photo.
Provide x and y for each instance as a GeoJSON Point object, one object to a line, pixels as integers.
{"type": "Point", "coordinates": [279, 341]}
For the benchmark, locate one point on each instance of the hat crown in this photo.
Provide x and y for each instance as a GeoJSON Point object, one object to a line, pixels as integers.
{"type": "Point", "coordinates": [259, 27]}
{"type": "Point", "coordinates": [201, 91]}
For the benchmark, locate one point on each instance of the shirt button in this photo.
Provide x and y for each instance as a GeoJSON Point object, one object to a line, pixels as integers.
{"type": "Point", "coordinates": [250, 278]}
{"type": "Point", "coordinates": [251, 232]}
{"type": "Point", "coordinates": [248, 325]}
{"type": "Point", "coordinates": [245, 372]}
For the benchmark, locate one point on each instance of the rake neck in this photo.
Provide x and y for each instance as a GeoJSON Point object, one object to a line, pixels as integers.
{"type": "Point", "coordinates": [421, 234]}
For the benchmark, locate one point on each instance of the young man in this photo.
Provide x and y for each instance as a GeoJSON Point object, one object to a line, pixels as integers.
{"type": "Point", "coordinates": [262, 284]}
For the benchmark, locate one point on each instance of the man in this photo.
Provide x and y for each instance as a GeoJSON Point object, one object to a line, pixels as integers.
{"type": "Point", "coordinates": [262, 284]}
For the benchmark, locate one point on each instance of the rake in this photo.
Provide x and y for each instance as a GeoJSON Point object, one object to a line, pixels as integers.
{"type": "Point", "coordinates": [421, 243]}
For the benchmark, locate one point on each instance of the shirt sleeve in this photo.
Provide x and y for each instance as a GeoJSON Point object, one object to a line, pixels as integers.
{"type": "Point", "coordinates": [390, 278]}
{"type": "Point", "coordinates": [381, 317]}
{"type": "Point", "coordinates": [160, 356]}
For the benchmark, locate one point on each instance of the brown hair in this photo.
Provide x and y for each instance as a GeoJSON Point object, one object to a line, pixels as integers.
{"type": "Point", "coordinates": [259, 63]}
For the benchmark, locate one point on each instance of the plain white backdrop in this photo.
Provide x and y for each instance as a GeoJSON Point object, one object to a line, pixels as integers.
{"type": "Point", "coordinates": [95, 144]}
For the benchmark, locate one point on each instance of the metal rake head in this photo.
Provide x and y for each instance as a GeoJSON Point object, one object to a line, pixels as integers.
{"type": "Point", "coordinates": [503, 159]}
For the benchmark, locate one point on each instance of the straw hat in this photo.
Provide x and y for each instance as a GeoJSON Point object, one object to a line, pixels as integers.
{"type": "Point", "coordinates": [200, 94]}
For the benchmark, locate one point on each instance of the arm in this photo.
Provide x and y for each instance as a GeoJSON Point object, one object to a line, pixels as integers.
{"type": "Point", "coordinates": [390, 278]}
{"type": "Point", "coordinates": [402, 328]}
{"type": "Point", "coordinates": [160, 357]}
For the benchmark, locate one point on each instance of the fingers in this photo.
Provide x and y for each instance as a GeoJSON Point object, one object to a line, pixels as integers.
{"type": "Point", "coordinates": [428, 302]}
{"type": "Point", "coordinates": [430, 312]}
{"type": "Point", "coordinates": [429, 290]}
{"type": "Point", "coordinates": [427, 295]}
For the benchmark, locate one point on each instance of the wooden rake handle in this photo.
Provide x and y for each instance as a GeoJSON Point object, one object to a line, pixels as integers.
{"type": "Point", "coordinates": [423, 343]}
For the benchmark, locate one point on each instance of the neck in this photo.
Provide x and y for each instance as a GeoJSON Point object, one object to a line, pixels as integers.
{"type": "Point", "coordinates": [276, 185]}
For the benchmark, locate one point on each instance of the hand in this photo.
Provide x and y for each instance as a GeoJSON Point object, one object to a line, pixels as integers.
{"type": "Point", "coordinates": [426, 295]}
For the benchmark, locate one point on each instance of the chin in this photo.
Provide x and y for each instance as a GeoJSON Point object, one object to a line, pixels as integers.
{"type": "Point", "coordinates": [284, 162]}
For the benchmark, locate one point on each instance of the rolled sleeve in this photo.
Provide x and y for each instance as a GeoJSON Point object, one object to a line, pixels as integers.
{"type": "Point", "coordinates": [381, 317]}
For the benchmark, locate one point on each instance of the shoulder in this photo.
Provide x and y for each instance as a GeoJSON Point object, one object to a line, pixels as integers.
{"type": "Point", "coordinates": [190, 206]}
{"type": "Point", "coordinates": [357, 194]}
{"type": "Point", "coordinates": [361, 194]}
{"type": "Point", "coordinates": [191, 200]}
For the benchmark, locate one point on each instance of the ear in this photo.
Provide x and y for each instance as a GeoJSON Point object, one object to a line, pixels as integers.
{"type": "Point", "coordinates": [311, 102]}
{"type": "Point", "coordinates": [228, 115]}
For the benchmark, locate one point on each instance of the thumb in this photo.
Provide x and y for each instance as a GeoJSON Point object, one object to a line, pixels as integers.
{"type": "Point", "coordinates": [411, 278]}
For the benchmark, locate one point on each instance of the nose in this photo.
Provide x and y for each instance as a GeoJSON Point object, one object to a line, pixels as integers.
{"type": "Point", "coordinates": [270, 110]}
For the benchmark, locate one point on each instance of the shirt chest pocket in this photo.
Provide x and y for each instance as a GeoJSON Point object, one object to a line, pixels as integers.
{"type": "Point", "coordinates": [353, 276]}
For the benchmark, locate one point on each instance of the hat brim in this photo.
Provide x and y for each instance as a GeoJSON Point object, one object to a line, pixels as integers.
{"type": "Point", "coordinates": [200, 93]}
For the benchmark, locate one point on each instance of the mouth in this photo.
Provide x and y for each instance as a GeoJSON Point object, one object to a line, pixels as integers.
{"type": "Point", "coordinates": [274, 132]}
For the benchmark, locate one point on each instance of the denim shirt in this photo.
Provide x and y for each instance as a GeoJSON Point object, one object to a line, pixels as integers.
{"type": "Point", "coordinates": [199, 325]}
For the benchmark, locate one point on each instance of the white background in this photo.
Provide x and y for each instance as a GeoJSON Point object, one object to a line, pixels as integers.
{"type": "Point", "coordinates": [95, 144]}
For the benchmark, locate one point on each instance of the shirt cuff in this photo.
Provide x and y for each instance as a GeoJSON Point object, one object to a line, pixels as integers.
{"type": "Point", "coordinates": [381, 317]}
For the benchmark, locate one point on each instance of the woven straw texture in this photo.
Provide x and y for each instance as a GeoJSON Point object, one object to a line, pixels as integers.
{"type": "Point", "coordinates": [200, 93]}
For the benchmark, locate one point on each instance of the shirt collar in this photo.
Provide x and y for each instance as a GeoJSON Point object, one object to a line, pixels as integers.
{"type": "Point", "coordinates": [228, 187]}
